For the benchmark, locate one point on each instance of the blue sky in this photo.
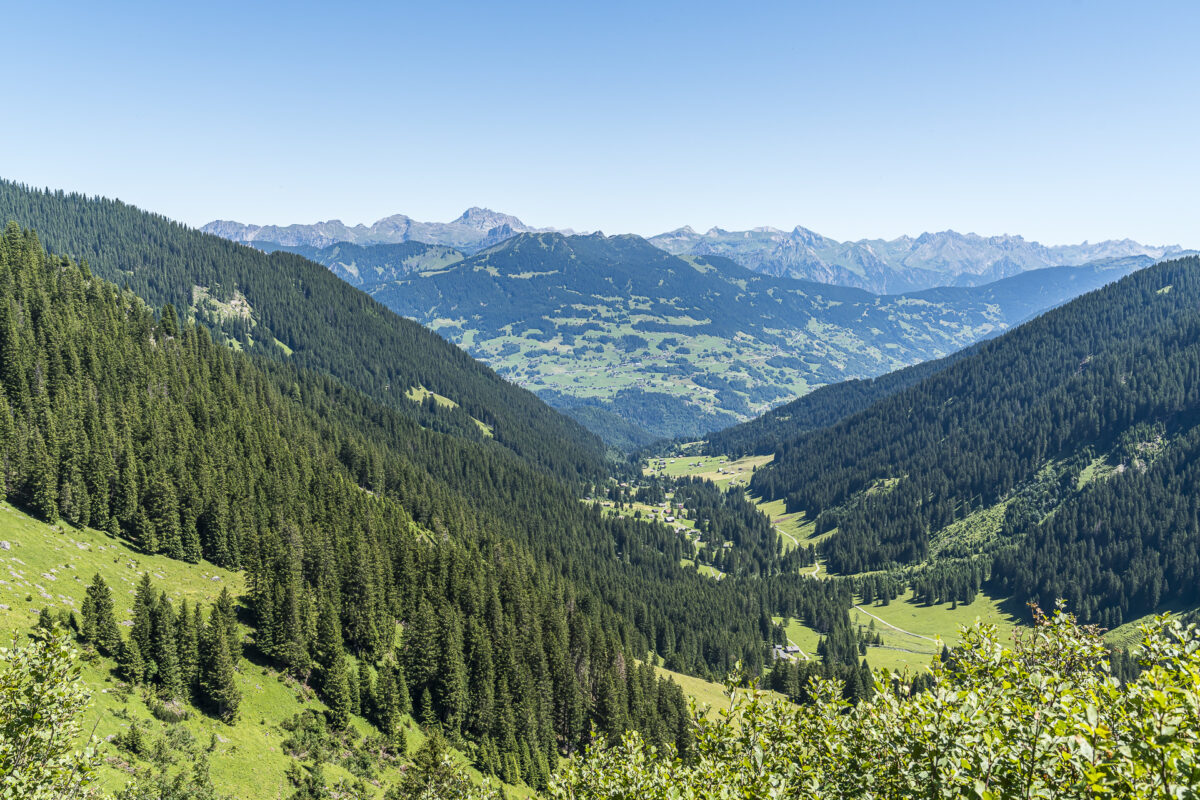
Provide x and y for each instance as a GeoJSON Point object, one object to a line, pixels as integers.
{"type": "Point", "coordinates": [1060, 121]}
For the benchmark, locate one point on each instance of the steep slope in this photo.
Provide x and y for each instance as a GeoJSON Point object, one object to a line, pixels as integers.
{"type": "Point", "coordinates": [294, 310]}
{"type": "Point", "coordinates": [904, 264]}
{"type": "Point", "coordinates": [683, 346]}
{"type": "Point", "coordinates": [1068, 446]}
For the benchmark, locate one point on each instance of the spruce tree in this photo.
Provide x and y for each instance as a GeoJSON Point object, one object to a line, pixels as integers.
{"type": "Point", "coordinates": [6, 436]}
{"type": "Point", "coordinates": [336, 693]}
{"type": "Point", "coordinates": [451, 680]}
{"type": "Point", "coordinates": [233, 635]}
{"type": "Point", "coordinates": [187, 640]}
{"type": "Point", "coordinates": [432, 774]}
{"type": "Point", "coordinates": [164, 650]}
{"type": "Point", "coordinates": [131, 664]}
{"type": "Point", "coordinates": [429, 717]}
{"type": "Point", "coordinates": [43, 491]}
{"type": "Point", "coordinates": [387, 706]}
{"type": "Point", "coordinates": [218, 685]}
{"type": "Point", "coordinates": [169, 322]}
{"type": "Point", "coordinates": [125, 506]}
{"type": "Point", "coordinates": [143, 605]}
{"type": "Point", "coordinates": [13, 355]}
{"type": "Point", "coordinates": [355, 693]}
{"type": "Point", "coordinates": [45, 619]}
{"type": "Point", "coordinates": [403, 697]}
{"type": "Point", "coordinates": [366, 690]}
{"type": "Point", "coordinates": [99, 624]}
{"type": "Point", "coordinates": [327, 645]}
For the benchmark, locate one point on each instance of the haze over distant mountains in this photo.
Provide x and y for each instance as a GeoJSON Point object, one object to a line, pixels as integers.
{"type": "Point", "coordinates": [905, 264]}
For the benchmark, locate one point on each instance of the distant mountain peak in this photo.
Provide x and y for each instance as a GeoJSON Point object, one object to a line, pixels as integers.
{"type": "Point", "coordinates": [484, 220]}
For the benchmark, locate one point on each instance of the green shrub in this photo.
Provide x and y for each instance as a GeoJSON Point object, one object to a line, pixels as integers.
{"type": "Point", "coordinates": [41, 704]}
{"type": "Point", "coordinates": [1043, 718]}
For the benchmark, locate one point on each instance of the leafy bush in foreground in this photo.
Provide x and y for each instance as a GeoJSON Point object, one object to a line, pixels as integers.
{"type": "Point", "coordinates": [41, 705]}
{"type": "Point", "coordinates": [1041, 718]}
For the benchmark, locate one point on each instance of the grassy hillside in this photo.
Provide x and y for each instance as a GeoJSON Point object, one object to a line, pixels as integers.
{"type": "Point", "coordinates": [50, 566]}
{"type": "Point", "coordinates": [367, 266]}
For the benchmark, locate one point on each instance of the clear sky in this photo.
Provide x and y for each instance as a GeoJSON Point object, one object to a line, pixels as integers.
{"type": "Point", "coordinates": [1061, 121]}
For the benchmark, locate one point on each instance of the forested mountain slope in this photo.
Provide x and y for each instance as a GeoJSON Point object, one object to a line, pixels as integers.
{"type": "Point", "coordinates": [294, 310]}
{"type": "Point", "coordinates": [1080, 426]}
{"type": "Point", "coordinates": [681, 346]}
{"type": "Point", "coordinates": [521, 607]}
{"type": "Point", "coordinates": [820, 408]}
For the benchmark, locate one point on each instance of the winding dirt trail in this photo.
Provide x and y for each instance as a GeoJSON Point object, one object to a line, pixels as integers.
{"type": "Point", "coordinates": [782, 532]}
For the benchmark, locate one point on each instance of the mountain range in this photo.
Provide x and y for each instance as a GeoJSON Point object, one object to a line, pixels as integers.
{"type": "Point", "coordinates": [637, 343]}
{"type": "Point", "coordinates": [475, 229]}
{"type": "Point", "coordinates": [904, 264]}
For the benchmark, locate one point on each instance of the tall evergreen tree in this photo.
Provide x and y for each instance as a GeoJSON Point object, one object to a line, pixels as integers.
{"type": "Point", "coordinates": [387, 707]}
{"type": "Point", "coordinates": [141, 632]}
{"type": "Point", "coordinates": [99, 624]}
{"type": "Point", "coordinates": [163, 648]}
{"type": "Point", "coordinates": [43, 489]}
{"type": "Point", "coordinates": [218, 683]}
{"type": "Point", "coordinates": [187, 639]}
{"type": "Point", "coordinates": [130, 662]}
{"type": "Point", "coordinates": [336, 692]}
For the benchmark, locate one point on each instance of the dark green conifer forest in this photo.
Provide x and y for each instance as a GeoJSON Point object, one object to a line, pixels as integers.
{"type": "Point", "coordinates": [288, 308]}
{"type": "Point", "coordinates": [467, 584]}
{"type": "Point", "coordinates": [1107, 386]}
